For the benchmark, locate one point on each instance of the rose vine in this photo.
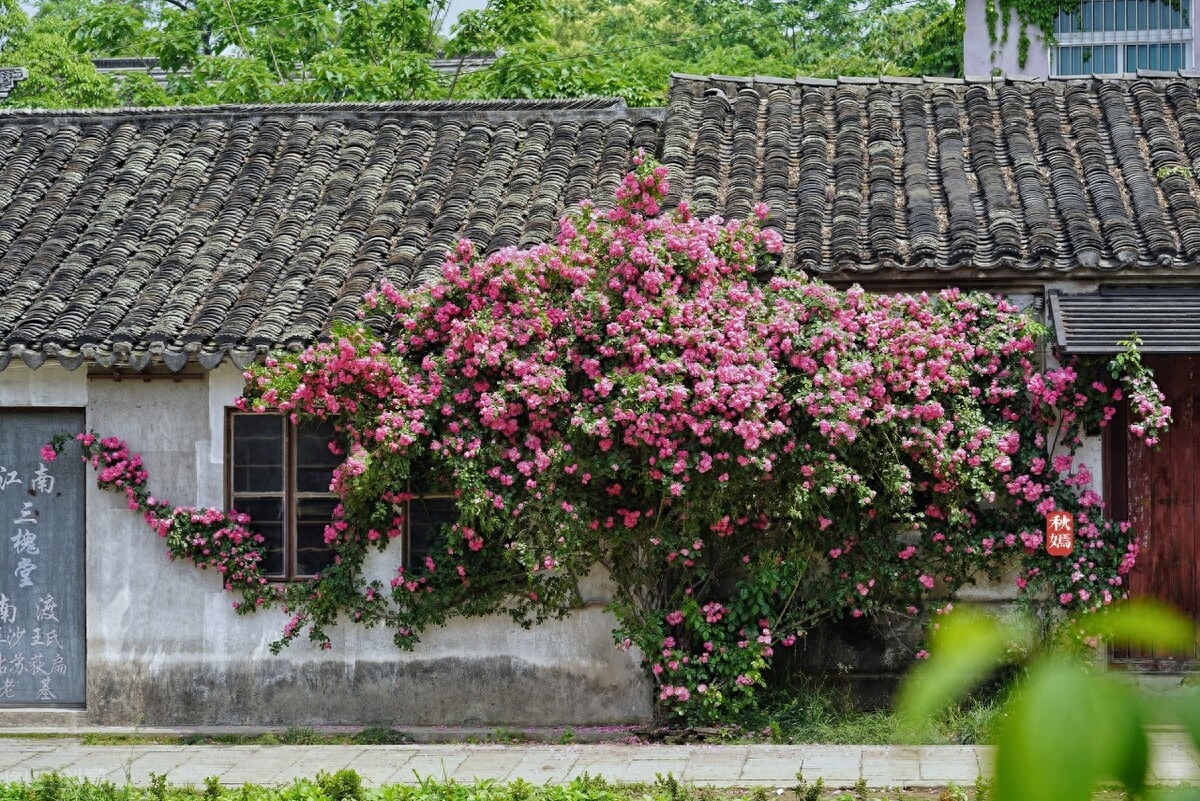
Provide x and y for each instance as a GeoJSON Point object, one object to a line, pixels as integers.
{"type": "Point", "coordinates": [745, 450]}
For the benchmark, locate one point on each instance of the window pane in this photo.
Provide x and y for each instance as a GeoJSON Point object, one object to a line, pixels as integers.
{"type": "Point", "coordinates": [1107, 16]}
{"type": "Point", "coordinates": [312, 515]}
{"type": "Point", "coordinates": [257, 453]}
{"type": "Point", "coordinates": [1106, 58]}
{"type": "Point", "coordinates": [266, 518]}
{"type": "Point", "coordinates": [1068, 60]}
{"type": "Point", "coordinates": [314, 461]}
{"type": "Point", "coordinates": [1154, 57]}
{"type": "Point", "coordinates": [1085, 60]}
{"type": "Point", "coordinates": [427, 518]}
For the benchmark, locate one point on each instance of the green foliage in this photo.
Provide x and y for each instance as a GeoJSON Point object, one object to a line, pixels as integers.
{"type": "Point", "coordinates": [59, 75]}
{"type": "Point", "coordinates": [12, 21]}
{"type": "Point", "coordinates": [806, 791]}
{"type": "Point", "coordinates": [377, 50]}
{"type": "Point", "coordinates": [344, 785]}
{"type": "Point", "coordinates": [380, 735]}
{"type": "Point", "coordinates": [116, 29]}
{"type": "Point", "coordinates": [299, 735]}
{"type": "Point", "coordinates": [1069, 727]}
{"type": "Point", "coordinates": [809, 712]}
{"type": "Point", "coordinates": [140, 89]}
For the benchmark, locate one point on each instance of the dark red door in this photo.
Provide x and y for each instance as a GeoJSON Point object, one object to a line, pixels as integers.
{"type": "Point", "coordinates": [1157, 490]}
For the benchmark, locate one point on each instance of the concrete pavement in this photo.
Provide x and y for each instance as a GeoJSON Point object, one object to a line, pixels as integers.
{"type": "Point", "coordinates": [776, 766]}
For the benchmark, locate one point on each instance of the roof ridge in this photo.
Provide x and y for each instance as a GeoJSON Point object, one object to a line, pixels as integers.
{"type": "Point", "coordinates": [401, 107]}
{"type": "Point", "coordinates": [808, 80]}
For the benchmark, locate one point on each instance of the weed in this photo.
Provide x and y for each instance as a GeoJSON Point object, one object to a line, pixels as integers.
{"type": "Point", "coordinates": [670, 786]}
{"type": "Point", "coordinates": [1182, 170]}
{"type": "Point", "coordinates": [952, 792]}
{"type": "Point", "coordinates": [567, 737]}
{"type": "Point", "coordinates": [808, 792]}
{"type": "Point", "coordinates": [503, 735]}
{"type": "Point", "coordinates": [860, 790]}
{"type": "Point", "coordinates": [812, 713]}
{"type": "Point", "coordinates": [212, 788]}
{"type": "Point", "coordinates": [983, 789]}
{"type": "Point", "coordinates": [379, 735]}
{"type": "Point", "coordinates": [345, 785]}
{"type": "Point", "coordinates": [49, 787]}
{"type": "Point", "coordinates": [158, 786]}
{"type": "Point", "coordinates": [300, 735]}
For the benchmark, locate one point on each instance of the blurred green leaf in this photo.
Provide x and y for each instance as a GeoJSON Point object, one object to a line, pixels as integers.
{"type": "Point", "coordinates": [1046, 749]}
{"type": "Point", "coordinates": [1177, 794]}
{"type": "Point", "coordinates": [1123, 750]}
{"type": "Point", "coordinates": [1186, 711]}
{"type": "Point", "coordinates": [1144, 623]}
{"type": "Point", "coordinates": [1069, 728]}
{"type": "Point", "coordinates": [966, 648]}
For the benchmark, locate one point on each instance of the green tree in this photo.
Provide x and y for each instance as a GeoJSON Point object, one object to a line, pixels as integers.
{"type": "Point", "coordinates": [237, 50]}
{"type": "Point", "coordinates": [630, 48]}
{"type": "Point", "coordinates": [371, 50]}
{"type": "Point", "coordinates": [59, 75]}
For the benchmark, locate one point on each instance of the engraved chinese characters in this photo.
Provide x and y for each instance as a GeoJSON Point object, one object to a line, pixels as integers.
{"type": "Point", "coordinates": [42, 657]}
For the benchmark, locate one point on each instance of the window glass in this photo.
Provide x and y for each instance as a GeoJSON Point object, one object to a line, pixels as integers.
{"type": "Point", "coordinates": [312, 516]}
{"type": "Point", "coordinates": [315, 463]}
{"type": "Point", "coordinates": [1154, 57]}
{"type": "Point", "coordinates": [427, 517]}
{"type": "Point", "coordinates": [1109, 16]}
{"type": "Point", "coordinates": [258, 453]}
{"type": "Point", "coordinates": [266, 518]}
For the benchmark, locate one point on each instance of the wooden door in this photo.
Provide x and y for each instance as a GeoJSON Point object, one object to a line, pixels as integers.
{"type": "Point", "coordinates": [1158, 491]}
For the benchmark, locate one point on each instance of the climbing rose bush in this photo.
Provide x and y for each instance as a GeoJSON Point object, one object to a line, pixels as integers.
{"type": "Point", "coordinates": [746, 451]}
{"type": "Point", "coordinates": [209, 538]}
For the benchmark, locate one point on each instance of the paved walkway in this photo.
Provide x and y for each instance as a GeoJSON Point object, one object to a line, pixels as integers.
{"type": "Point", "coordinates": [717, 765]}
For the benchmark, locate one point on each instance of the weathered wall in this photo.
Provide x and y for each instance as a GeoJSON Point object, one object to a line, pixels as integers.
{"type": "Point", "coordinates": [165, 646]}
{"type": "Point", "coordinates": [982, 58]}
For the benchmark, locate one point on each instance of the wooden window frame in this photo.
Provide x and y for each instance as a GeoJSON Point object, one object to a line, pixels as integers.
{"type": "Point", "coordinates": [290, 496]}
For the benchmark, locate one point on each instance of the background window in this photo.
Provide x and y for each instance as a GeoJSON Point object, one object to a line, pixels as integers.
{"type": "Point", "coordinates": [1122, 36]}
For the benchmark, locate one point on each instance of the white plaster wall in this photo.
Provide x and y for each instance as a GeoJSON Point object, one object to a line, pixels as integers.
{"type": "Point", "coordinates": [50, 386]}
{"type": "Point", "coordinates": [982, 58]}
{"type": "Point", "coordinates": [166, 647]}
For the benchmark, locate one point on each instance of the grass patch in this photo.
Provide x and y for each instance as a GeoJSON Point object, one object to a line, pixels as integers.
{"type": "Point", "coordinates": [347, 785]}
{"type": "Point", "coordinates": [811, 714]}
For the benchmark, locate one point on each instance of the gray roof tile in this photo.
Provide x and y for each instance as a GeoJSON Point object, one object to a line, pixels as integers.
{"type": "Point", "coordinates": [146, 235]}
{"type": "Point", "coordinates": [135, 236]}
{"type": "Point", "coordinates": [979, 182]}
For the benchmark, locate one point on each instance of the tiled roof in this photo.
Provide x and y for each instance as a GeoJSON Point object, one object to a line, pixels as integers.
{"type": "Point", "coordinates": [1162, 320]}
{"type": "Point", "coordinates": [130, 237]}
{"type": "Point", "coordinates": [938, 180]}
{"type": "Point", "coordinates": [175, 235]}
